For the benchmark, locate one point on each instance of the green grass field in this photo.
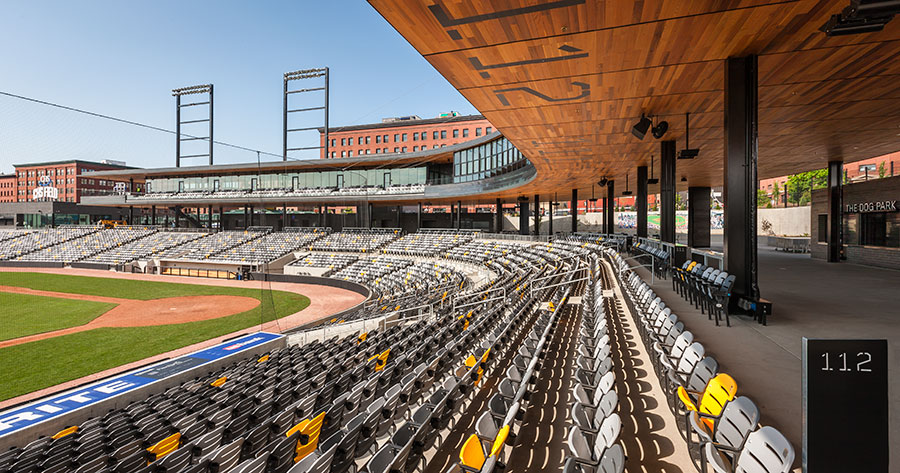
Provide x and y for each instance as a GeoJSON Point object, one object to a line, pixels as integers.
{"type": "Point", "coordinates": [43, 363]}
{"type": "Point", "coordinates": [27, 315]}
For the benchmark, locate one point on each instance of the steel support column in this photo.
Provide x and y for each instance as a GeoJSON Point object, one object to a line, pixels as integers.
{"type": "Point", "coordinates": [603, 208]}
{"type": "Point", "coordinates": [835, 210]}
{"type": "Point", "coordinates": [574, 210]}
{"type": "Point", "coordinates": [370, 214]}
{"type": "Point", "coordinates": [458, 214]}
{"type": "Point", "coordinates": [177, 216]}
{"type": "Point", "coordinates": [284, 219]}
{"type": "Point", "coordinates": [537, 214]}
{"type": "Point", "coordinates": [523, 217]}
{"type": "Point", "coordinates": [221, 218]}
{"type": "Point", "coordinates": [498, 218]}
{"type": "Point", "coordinates": [419, 217]}
{"type": "Point", "coordinates": [641, 229]}
{"type": "Point", "coordinates": [698, 217]}
{"type": "Point", "coordinates": [610, 212]}
{"type": "Point", "coordinates": [667, 191]}
{"type": "Point", "coordinates": [152, 215]}
{"type": "Point", "coordinates": [741, 147]}
{"type": "Point", "coordinates": [550, 220]}
{"type": "Point", "coordinates": [399, 212]}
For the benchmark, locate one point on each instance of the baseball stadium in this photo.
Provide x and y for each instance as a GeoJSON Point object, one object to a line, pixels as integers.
{"type": "Point", "coordinates": [515, 293]}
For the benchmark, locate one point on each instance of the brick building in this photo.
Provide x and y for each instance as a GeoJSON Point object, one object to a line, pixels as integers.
{"type": "Point", "coordinates": [402, 135]}
{"type": "Point", "coordinates": [7, 187]}
{"type": "Point", "coordinates": [71, 179]}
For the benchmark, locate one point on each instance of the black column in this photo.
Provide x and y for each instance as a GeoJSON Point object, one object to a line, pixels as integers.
{"type": "Point", "coordinates": [177, 216]}
{"type": "Point", "coordinates": [221, 218]}
{"type": "Point", "coordinates": [458, 214]}
{"type": "Point", "coordinates": [370, 214]}
{"type": "Point", "coordinates": [419, 217]}
{"type": "Point", "coordinates": [698, 217]}
{"type": "Point", "coordinates": [523, 217]}
{"type": "Point", "coordinates": [399, 211]}
{"type": "Point", "coordinates": [667, 191]}
{"type": "Point", "coordinates": [574, 210]}
{"type": "Point", "coordinates": [835, 210]}
{"type": "Point", "coordinates": [603, 228]}
{"type": "Point", "coordinates": [131, 215]}
{"type": "Point", "coordinates": [610, 211]}
{"type": "Point", "coordinates": [498, 224]}
{"type": "Point", "coordinates": [152, 215]}
{"type": "Point", "coordinates": [641, 229]}
{"type": "Point", "coordinates": [550, 219]}
{"type": "Point", "coordinates": [537, 214]}
{"type": "Point", "coordinates": [741, 127]}
{"type": "Point", "coordinates": [250, 216]}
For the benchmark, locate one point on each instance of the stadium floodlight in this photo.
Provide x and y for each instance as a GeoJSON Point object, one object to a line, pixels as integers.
{"type": "Point", "coordinates": [194, 89]}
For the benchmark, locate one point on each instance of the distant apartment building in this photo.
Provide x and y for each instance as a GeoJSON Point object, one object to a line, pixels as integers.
{"type": "Point", "coordinates": [68, 180]}
{"type": "Point", "coordinates": [402, 135]}
{"type": "Point", "coordinates": [7, 188]}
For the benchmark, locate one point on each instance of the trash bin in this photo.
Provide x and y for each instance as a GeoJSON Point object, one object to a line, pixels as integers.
{"type": "Point", "coordinates": [679, 255]}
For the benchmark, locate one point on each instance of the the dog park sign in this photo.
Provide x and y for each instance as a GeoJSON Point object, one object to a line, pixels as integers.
{"type": "Point", "coordinates": [867, 207]}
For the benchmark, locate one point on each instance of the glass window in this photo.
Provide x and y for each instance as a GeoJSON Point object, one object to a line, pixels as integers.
{"type": "Point", "coordinates": [873, 229]}
{"type": "Point", "coordinates": [465, 132]}
{"type": "Point", "coordinates": [404, 137]}
{"type": "Point", "coordinates": [416, 136]}
{"type": "Point", "coordinates": [404, 149]}
{"type": "Point", "coordinates": [343, 141]}
{"type": "Point", "coordinates": [396, 138]}
{"type": "Point", "coordinates": [350, 153]}
{"type": "Point", "coordinates": [377, 138]}
{"type": "Point", "coordinates": [456, 133]}
{"type": "Point", "coordinates": [384, 138]}
{"type": "Point", "coordinates": [367, 140]}
{"type": "Point", "coordinates": [488, 130]}
{"type": "Point", "coordinates": [443, 134]}
{"type": "Point", "coordinates": [850, 229]}
{"type": "Point", "coordinates": [396, 149]}
{"type": "Point", "coordinates": [350, 141]}
{"type": "Point", "coordinates": [343, 154]}
{"type": "Point", "coordinates": [423, 136]}
{"type": "Point", "coordinates": [415, 148]}
{"type": "Point", "coordinates": [434, 135]}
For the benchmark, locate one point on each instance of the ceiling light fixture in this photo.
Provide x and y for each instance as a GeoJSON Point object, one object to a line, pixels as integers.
{"type": "Point", "coordinates": [640, 129]}
{"type": "Point", "coordinates": [687, 152]}
{"type": "Point", "coordinates": [660, 129]}
{"type": "Point", "coordinates": [626, 191]}
{"type": "Point", "coordinates": [861, 16]}
{"type": "Point", "coordinates": [603, 181]}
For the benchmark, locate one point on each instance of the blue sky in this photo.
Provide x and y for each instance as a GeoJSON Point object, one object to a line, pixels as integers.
{"type": "Point", "coordinates": [123, 58]}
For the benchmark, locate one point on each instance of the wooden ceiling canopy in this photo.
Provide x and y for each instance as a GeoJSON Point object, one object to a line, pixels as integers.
{"type": "Point", "coordinates": [565, 80]}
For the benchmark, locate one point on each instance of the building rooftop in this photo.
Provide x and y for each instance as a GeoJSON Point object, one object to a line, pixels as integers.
{"type": "Point", "coordinates": [70, 161]}
{"type": "Point", "coordinates": [402, 123]}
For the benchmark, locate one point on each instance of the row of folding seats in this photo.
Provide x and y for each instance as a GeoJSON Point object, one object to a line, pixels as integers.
{"type": "Point", "coordinates": [727, 425]}
{"type": "Point", "coordinates": [708, 288]}
{"type": "Point", "coordinates": [29, 242]}
{"type": "Point", "coordinates": [269, 247]}
{"type": "Point", "coordinates": [332, 261]}
{"type": "Point", "coordinates": [203, 248]}
{"type": "Point", "coordinates": [659, 255]}
{"type": "Point", "coordinates": [428, 243]}
{"type": "Point", "coordinates": [145, 247]}
{"type": "Point", "coordinates": [360, 240]}
{"type": "Point", "coordinates": [593, 439]}
{"type": "Point", "coordinates": [88, 245]}
{"type": "Point", "coordinates": [494, 439]}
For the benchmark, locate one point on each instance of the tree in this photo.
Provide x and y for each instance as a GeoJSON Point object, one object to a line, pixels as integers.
{"type": "Point", "coordinates": [776, 192]}
{"type": "Point", "coordinates": [800, 185]}
{"type": "Point", "coordinates": [762, 198]}
{"type": "Point", "coordinates": [881, 170]}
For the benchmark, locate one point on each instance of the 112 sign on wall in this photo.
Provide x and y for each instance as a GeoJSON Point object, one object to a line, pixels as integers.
{"type": "Point", "coordinates": [845, 406]}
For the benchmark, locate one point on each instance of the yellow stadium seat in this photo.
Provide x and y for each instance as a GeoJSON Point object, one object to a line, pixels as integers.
{"type": "Point", "coordinates": [719, 390]}
{"type": "Point", "coordinates": [471, 457]}
{"type": "Point", "coordinates": [67, 431]}
{"type": "Point", "coordinates": [166, 446]}
{"type": "Point", "coordinates": [219, 382]}
{"type": "Point", "coordinates": [499, 441]}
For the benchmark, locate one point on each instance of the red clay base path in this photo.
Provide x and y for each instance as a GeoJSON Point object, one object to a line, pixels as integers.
{"type": "Point", "coordinates": [140, 313]}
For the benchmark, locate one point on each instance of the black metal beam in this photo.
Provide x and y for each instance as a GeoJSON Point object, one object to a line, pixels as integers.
{"type": "Point", "coordinates": [641, 229]}
{"type": "Point", "coordinates": [667, 191]}
{"type": "Point", "coordinates": [523, 217]}
{"type": "Point", "coordinates": [741, 147]}
{"type": "Point", "coordinates": [574, 210]}
{"type": "Point", "coordinates": [835, 210]}
{"type": "Point", "coordinates": [537, 213]}
{"type": "Point", "coordinates": [498, 219]}
{"type": "Point", "coordinates": [698, 217]}
{"type": "Point", "coordinates": [610, 212]}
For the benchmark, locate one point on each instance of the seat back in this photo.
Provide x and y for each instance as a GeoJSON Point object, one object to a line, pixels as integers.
{"type": "Point", "coordinates": [578, 445]}
{"type": "Point", "coordinates": [720, 390]}
{"type": "Point", "coordinates": [766, 451]}
{"type": "Point", "coordinates": [681, 343]}
{"type": "Point", "coordinates": [613, 460]}
{"type": "Point", "coordinates": [691, 356]}
{"type": "Point", "coordinates": [472, 453]}
{"type": "Point", "coordinates": [739, 418]}
{"type": "Point", "coordinates": [703, 371]}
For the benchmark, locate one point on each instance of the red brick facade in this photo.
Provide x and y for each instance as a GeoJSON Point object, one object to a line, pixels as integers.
{"type": "Point", "coordinates": [7, 187]}
{"type": "Point", "coordinates": [403, 136]}
{"type": "Point", "coordinates": [72, 179]}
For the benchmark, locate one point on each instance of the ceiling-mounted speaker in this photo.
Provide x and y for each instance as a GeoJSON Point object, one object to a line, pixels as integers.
{"type": "Point", "coordinates": [660, 129]}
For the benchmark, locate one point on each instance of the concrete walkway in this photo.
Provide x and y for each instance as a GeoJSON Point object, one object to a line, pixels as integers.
{"type": "Point", "coordinates": [812, 299]}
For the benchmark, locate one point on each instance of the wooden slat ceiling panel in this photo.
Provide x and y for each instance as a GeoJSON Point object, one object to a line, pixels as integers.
{"type": "Point", "coordinates": [565, 80]}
